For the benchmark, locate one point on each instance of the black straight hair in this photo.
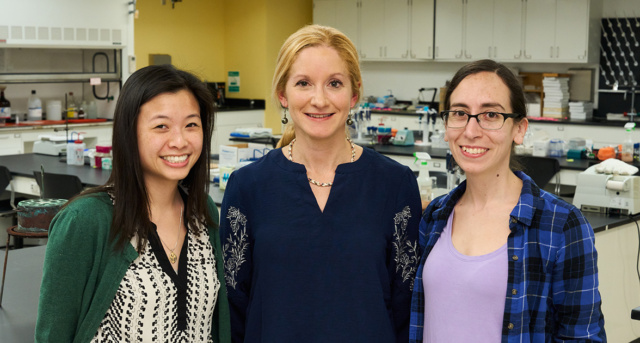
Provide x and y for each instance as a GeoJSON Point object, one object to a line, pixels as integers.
{"type": "Point", "coordinates": [132, 215]}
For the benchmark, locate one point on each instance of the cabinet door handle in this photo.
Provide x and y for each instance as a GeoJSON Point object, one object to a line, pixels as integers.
{"type": "Point", "coordinates": [465, 55]}
{"type": "Point", "coordinates": [437, 52]}
{"type": "Point", "coordinates": [460, 55]}
{"type": "Point", "coordinates": [525, 55]}
{"type": "Point", "coordinates": [430, 49]}
{"type": "Point", "coordinates": [380, 52]}
{"type": "Point", "coordinates": [519, 56]}
{"type": "Point", "coordinates": [558, 52]}
{"type": "Point", "coordinates": [385, 51]}
{"type": "Point", "coordinates": [551, 52]}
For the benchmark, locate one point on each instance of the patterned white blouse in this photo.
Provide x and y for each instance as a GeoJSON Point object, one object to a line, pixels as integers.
{"type": "Point", "coordinates": [156, 304]}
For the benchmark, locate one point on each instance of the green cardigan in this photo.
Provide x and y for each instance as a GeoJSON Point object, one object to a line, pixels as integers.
{"type": "Point", "coordinates": [82, 273]}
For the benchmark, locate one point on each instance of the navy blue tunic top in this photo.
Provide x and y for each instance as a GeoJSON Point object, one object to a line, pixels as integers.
{"type": "Point", "coordinates": [298, 274]}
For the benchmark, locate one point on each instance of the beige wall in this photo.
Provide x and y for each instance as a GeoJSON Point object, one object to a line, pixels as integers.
{"type": "Point", "coordinates": [212, 37]}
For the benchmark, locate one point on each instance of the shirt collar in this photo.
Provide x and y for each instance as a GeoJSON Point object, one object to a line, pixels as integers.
{"type": "Point", "coordinates": [522, 212]}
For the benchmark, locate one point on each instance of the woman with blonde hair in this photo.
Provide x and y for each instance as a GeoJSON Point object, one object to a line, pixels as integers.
{"type": "Point", "coordinates": [320, 236]}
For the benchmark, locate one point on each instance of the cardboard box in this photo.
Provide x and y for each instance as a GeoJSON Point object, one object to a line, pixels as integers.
{"type": "Point", "coordinates": [237, 155]}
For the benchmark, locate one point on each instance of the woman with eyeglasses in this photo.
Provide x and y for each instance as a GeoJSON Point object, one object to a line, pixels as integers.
{"type": "Point", "coordinates": [503, 260]}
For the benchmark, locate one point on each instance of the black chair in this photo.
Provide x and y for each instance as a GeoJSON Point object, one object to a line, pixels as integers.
{"type": "Point", "coordinates": [58, 186]}
{"type": "Point", "coordinates": [7, 207]}
{"type": "Point", "coordinates": [542, 170]}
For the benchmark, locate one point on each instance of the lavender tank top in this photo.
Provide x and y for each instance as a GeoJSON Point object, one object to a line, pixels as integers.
{"type": "Point", "coordinates": [464, 295]}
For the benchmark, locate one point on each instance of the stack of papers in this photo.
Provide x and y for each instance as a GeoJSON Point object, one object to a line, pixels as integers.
{"type": "Point", "coordinates": [556, 97]}
{"type": "Point", "coordinates": [252, 132]}
{"type": "Point", "coordinates": [581, 110]}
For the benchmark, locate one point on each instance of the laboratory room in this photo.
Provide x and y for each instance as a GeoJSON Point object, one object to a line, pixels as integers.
{"type": "Point", "coordinates": [109, 99]}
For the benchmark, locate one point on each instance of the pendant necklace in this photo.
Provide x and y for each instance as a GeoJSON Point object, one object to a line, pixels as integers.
{"type": "Point", "coordinates": [317, 183]}
{"type": "Point", "coordinates": [173, 257]}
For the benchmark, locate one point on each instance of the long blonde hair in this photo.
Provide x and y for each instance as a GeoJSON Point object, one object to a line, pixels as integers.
{"type": "Point", "coordinates": [310, 36]}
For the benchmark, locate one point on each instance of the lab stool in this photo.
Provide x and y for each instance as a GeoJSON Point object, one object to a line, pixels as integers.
{"type": "Point", "coordinates": [12, 232]}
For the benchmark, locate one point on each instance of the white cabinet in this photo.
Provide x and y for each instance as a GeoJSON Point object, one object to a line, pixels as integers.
{"type": "Point", "coordinates": [517, 31]}
{"type": "Point", "coordinates": [10, 144]}
{"type": "Point", "coordinates": [384, 29]}
{"type": "Point", "coordinates": [507, 30]}
{"type": "Point", "coordinates": [468, 30]}
{"type": "Point", "coordinates": [340, 14]}
{"type": "Point", "coordinates": [560, 30]}
{"type": "Point", "coordinates": [422, 20]}
{"type": "Point", "coordinates": [449, 30]}
{"type": "Point", "coordinates": [228, 121]}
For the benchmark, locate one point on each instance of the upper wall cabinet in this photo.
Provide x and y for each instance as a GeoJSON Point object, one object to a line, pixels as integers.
{"type": "Point", "coordinates": [517, 31]}
{"type": "Point", "coordinates": [64, 24]}
{"type": "Point", "coordinates": [382, 30]}
{"type": "Point", "coordinates": [561, 30]}
{"type": "Point", "coordinates": [342, 14]}
{"type": "Point", "coordinates": [469, 30]}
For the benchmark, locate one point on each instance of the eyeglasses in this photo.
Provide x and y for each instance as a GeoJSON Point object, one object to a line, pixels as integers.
{"type": "Point", "coordinates": [486, 120]}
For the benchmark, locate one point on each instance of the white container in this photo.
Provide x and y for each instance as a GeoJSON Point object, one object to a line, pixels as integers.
{"type": "Point", "coordinates": [540, 148]}
{"type": "Point", "coordinates": [75, 153]}
{"type": "Point", "coordinates": [35, 107]}
{"type": "Point", "coordinates": [54, 110]}
{"type": "Point", "coordinates": [92, 111]}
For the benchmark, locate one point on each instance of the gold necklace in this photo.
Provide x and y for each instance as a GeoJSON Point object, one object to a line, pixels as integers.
{"type": "Point", "coordinates": [173, 257]}
{"type": "Point", "coordinates": [317, 183]}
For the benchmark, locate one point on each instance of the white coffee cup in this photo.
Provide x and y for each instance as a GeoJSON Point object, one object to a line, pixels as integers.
{"type": "Point", "coordinates": [54, 110]}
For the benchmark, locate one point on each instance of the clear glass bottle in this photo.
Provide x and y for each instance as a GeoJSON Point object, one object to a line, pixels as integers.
{"type": "Point", "coordinates": [35, 107]}
{"type": "Point", "coordinates": [72, 108]}
{"type": "Point", "coordinates": [627, 147]}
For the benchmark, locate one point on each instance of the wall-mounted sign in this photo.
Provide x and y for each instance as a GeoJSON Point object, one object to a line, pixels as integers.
{"type": "Point", "coordinates": [233, 80]}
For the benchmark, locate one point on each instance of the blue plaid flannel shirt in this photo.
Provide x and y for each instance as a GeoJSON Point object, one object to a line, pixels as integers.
{"type": "Point", "coordinates": [552, 291]}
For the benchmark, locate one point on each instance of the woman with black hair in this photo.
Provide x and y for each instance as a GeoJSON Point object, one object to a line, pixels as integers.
{"type": "Point", "coordinates": [138, 259]}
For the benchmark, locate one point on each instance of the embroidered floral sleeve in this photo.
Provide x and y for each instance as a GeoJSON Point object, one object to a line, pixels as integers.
{"type": "Point", "coordinates": [235, 246]}
{"type": "Point", "coordinates": [406, 250]}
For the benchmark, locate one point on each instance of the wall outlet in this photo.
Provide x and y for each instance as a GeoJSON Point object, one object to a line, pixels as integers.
{"type": "Point", "coordinates": [132, 64]}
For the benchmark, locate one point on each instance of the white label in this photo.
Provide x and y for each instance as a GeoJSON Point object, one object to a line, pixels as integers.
{"type": "Point", "coordinates": [5, 112]}
{"type": "Point", "coordinates": [35, 113]}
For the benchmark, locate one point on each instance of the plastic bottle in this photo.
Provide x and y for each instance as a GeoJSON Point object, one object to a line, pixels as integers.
{"type": "Point", "coordinates": [72, 108]}
{"type": "Point", "coordinates": [82, 109]}
{"type": "Point", "coordinates": [75, 151]}
{"type": "Point", "coordinates": [92, 111]}
{"type": "Point", "coordinates": [5, 106]}
{"type": "Point", "coordinates": [627, 146]}
{"type": "Point", "coordinates": [424, 181]}
{"type": "Point", "coordinates": [35, 107]}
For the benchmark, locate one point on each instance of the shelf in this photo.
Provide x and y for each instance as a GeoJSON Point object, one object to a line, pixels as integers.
{"type": "Point", "coordinates": [57, 78]}
{"type": "Point", "coordinates": [621, 91]}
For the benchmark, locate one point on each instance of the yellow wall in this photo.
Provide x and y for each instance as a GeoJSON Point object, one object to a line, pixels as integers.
{"type": "Point", "coordinates": [192, 33]}
{"type": "Point", "coordinates": [212, 37]}
{"type": "Point", "coordinates": [284, 18]}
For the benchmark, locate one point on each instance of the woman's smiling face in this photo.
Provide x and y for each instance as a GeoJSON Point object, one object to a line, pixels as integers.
{"type": "Point", "coordinates": [476, 150]}
{"type": "Point", "coordinates": [318, 93]}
